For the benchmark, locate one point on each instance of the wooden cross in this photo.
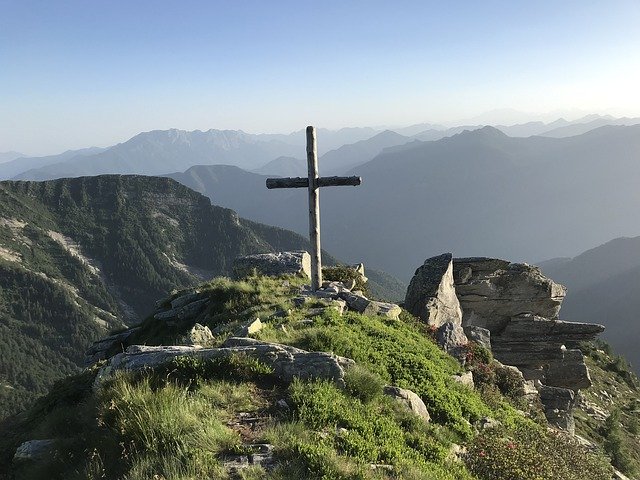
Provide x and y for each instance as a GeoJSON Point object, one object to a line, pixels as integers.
{"type": "Point", "coordinates": [313, 182]}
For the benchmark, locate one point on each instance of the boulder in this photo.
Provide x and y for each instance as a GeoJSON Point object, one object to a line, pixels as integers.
{"type": "Point", "coordinates": [361, 304]}
{"type": "Point", "coordinates": [465, 379]}
{"type": "Point", "coordinates": [35, 450]}
{"type": "Point", "coordinates": [477, 334]}
{"type": "Point", "coordinates": [431, 295]}
{"type": "Point", "coordinates": [491, 291]}
{"type": "Point", "coordinates": [287, 362]}
{"type": "Point", "coordinates": [103, 349]}
{"type": "Point", "coordinates": [451, 339]}
{"type": "Point", "coordinates": [250, 327]}
{"type": "Point", "coordinates": [197, 335]}
{"type": "Point", "coordinates": [410, 400]}
{"type": "Point", "coordinates": [558, 406]}
{"type": "Point", "coordinates": [273, 264]}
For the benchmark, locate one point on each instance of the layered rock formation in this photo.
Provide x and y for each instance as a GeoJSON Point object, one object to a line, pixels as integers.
{"type": "Point", "coordinates": [512, 308]}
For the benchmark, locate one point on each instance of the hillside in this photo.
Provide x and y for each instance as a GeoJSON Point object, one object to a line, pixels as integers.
{"type": "Point", "coordinates": [78, 257]}
{"type": "Point", "coordinates": [306, 393]}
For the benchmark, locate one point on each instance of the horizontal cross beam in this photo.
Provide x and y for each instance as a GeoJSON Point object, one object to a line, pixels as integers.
{"type": "Point", "coordinates": [303, 182]}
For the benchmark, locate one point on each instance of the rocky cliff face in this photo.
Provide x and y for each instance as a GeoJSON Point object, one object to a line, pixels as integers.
{"type": "Point", "coordinates": [517, 307]}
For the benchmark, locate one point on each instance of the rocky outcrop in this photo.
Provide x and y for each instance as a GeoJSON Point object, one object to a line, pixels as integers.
{"type": "Point", "coordinates": [558, 407]}
{"type": "Point", "coordinates": [287, 362]}
{"type": "Point", "coordinates": [537, 346]}
{"type": "Point", "coordinates": [340, 296]}
{"type": "Point", "coordinates": [273, 264]}
{"type": "Point", "coordinates": [512, 309]}
{"type": "Point", "coordinates": [491, 291]}
{"type": "Point", "coordinates": [103, 349]}
{"type": "Point", "coordinates": [431, 295]}
{"type": "Point", "coordinates": [409, 400]}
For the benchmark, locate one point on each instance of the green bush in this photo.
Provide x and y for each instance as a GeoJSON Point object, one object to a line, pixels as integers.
{"type": "Point", "coordinates": [615, 445]}
{"type": "Point", "coordinates": [363, 384]}
{"type": "Point", "coordinates": [533, 453]}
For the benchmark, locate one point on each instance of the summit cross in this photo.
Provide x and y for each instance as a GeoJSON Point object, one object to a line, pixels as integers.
{"type": "Point", "coordinates": [313, 182]}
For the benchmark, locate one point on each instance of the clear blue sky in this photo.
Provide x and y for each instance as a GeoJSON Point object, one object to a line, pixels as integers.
{"type": "Point", "coordinates": [80, 73]}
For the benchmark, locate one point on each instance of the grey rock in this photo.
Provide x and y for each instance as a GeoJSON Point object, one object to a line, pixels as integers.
{"type": "Point", "coordinates": [536, 346]}
{"type": "Point", "coordinates": [103, 349]}
{"type": "Point", "coordinates": [491, 291]}
{"type": "Point", "coordinates": [355, 302]}
{"type": "Point", "coordinates": [558, 406]}
{"type": "Point", "coordinates": [182, 300]}
{"type": "Point", "coordinates": [362, 304]}
{"type": "Point", "coordinates": [477, 334]}
{"type": "Point", "coordinates": [261, 454]}
{"type": "Point", "coordinates": [287, 362]}
{"type": "Point", "coordinates": [465, 379]}
{"type": "Point", "coordinates": [431, 294]}
{"type": "Point", "coordinates": [197, 335]}
{"type": "Point", "coordinates": [35, 450]}
{"type": "Point", "coordinates": [273, 264]}
{"type": "Point", "coordinates": [487, 423]}
{"type": "Point", "coordinates": [410, 400]}
{"type": "Point", "coordinates": [451, 338]}
{"type": "Point", "coordinates": [178, 315]}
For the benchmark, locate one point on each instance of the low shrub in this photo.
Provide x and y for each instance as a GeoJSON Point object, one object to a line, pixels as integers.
{"type": "Point", "coordinates": [530, 452]}
{"type": "Point", "coordinates": [363, 384]}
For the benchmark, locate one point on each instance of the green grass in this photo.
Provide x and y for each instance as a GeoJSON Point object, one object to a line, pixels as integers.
{"type": "Point", "coordinates": [178, 421]}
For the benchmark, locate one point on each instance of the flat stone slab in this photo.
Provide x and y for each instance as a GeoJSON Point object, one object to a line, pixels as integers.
{"type": "Point", "coordinates": [273, 264]}
{"type": "Point", "coordinates": [287, 362]}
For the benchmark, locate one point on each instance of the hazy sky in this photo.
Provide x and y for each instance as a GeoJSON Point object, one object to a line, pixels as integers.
{"type": "Point", "coordinates": [89, 72]}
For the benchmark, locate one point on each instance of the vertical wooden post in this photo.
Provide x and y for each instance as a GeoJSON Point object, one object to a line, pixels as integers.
{"type": "Point", "coordinates": [314, 209]}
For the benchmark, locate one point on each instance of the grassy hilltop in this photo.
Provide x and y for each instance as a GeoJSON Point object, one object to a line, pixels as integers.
{"type": "Point", "coordinates": [188, 418]}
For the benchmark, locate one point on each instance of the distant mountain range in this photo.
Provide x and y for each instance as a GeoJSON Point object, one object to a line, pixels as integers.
{"type": "Point", "coordinates": [165, 151]}
{"type": "Point", "coordinates": [18, 166]}
{"type": "Point", "coordinates": [604, 287]}
{"type": "Point", "coordinates": [8, 156]}
{"type": "Point", "coordinates": [476, 193]}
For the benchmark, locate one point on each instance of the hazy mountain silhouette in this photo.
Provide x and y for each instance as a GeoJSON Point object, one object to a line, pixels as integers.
{"type": "Point", "coordinates": [163, 151]}
{"type": "Point", "coordinates": [8, 156]}
{"type": "Point", "coordinates": [284, 167]}
{"type": "Point", "coordinates": [14, 167]}
{"type": "Point", "coordinates": [589, 124]}
{"type": "Point", "coordinates": [348, 156]}
{"type": "Point", "coordinates": [604, 286]}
